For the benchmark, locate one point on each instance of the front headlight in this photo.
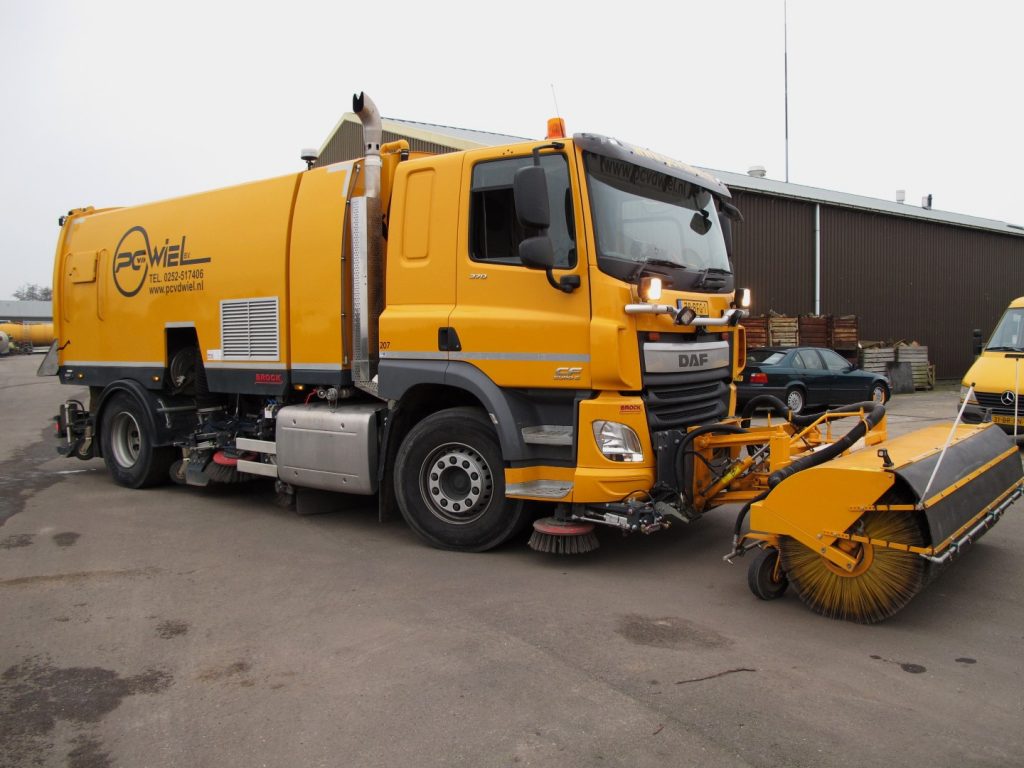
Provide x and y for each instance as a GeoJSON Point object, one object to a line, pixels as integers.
{"type": "Point", "coordinates": [963, 395]}
{"type": "Point", "coordinates": [617, 441]}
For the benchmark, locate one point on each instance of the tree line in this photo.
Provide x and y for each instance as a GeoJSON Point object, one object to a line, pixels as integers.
{"type": "Point", "coordinates": [33, 292]}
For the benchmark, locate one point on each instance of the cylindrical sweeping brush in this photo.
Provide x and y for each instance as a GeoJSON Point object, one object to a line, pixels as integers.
{"type": "Point", "coordinates": [563, 538]}
{"type": "Point", "coordinates": [224, 468]}
{"type": "Point", "coordinates": [883, 582]}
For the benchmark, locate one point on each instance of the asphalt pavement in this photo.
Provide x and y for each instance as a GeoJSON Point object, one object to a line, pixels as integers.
{"type": "Point", "coordinates": [210, 627]}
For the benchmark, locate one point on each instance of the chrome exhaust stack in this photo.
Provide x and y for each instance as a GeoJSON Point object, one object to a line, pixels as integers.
{"type": "Point", "coordinates": [367, 252]}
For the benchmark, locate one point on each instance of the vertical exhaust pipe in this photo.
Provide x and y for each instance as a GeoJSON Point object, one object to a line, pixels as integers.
{"type": "Point", "coordinates": [367, 252]}
{"type": "Point", "coordinates": [368, 115]}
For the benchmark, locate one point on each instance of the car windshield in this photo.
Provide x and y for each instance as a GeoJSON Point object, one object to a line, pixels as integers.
{"type": "Point", "coordinates": [1009, 334]}
{"type": "Point", "coordinates": [646, 217]}
{"type": "Point", "coordinates": [764, 357]}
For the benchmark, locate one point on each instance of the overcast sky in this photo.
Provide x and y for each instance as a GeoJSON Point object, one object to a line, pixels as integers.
{"type": "Point", "coordinates": [117, 103]}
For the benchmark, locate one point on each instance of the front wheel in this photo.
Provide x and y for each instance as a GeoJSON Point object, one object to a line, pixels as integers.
{"type": "Point", "coordinates": [765, 576]}
{"type": "Point", "coordinates": [450, 483]}
{"type": "Point", "coordinates": [128, 450]}
{"type": "Point", "coordinates": [879, 394]}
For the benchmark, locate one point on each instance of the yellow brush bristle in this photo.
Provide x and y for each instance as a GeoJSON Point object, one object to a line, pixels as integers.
{"type": "Point", "coordinates": [874, 593]}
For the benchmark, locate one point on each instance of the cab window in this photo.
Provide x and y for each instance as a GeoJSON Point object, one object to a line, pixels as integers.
{"type": "Point", "coordinates": [494, 230]}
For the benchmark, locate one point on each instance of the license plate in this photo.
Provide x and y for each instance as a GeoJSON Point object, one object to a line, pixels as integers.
{"type": "Point", "coordinates": [700, 307]}
{"type": "Point", "coordinates": [1007, 420]}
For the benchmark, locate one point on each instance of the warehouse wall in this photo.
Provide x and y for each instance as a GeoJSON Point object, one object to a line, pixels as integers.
{"type": "Point", "coordinates": [347, 144]}
{"type": "Point", "coordinates": [904, 278]}
{"type": "Point", "coordinates": [919, 280]}
{"type": "Point", "coordinates": [774, 253]}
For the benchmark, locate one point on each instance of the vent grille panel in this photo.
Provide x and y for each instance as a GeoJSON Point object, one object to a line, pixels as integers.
{"type": "Point", "coordinates": [250, 329]}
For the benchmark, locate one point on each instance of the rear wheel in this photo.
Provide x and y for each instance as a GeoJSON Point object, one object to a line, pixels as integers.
{"type": "Point", "coordinates": [450, 483]}
{"type": "Point", "coordinates": [795, 400]}
{"type": "Point", "coordinates": [128, 450]}
{"type": "Point", "coordinates": [883, 581]}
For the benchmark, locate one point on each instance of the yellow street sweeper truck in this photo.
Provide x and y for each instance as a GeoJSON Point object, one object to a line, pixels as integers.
{"type": "Point", "coordinates": [474, 335]}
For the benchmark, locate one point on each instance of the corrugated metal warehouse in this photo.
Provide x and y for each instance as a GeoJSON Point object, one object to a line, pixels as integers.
{"type": "Point", "coordinates": [908, 273]}
{"type": "Point", "coordinates": [26, 311]}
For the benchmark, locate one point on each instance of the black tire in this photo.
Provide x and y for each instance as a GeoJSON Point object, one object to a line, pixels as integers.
{"type": "Point", "coordinates": [765, 579]}
{"type": "Point", "coordinates": [795, 400]}
{"type": "Point", "coordinates": [879, 393]}
{"type": "Point", "coordinates": [450, 483]}
{"type": "Point", "coordinates": [128, 451]}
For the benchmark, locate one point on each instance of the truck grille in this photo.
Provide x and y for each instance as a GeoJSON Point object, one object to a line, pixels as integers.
{"type": "Point", "coordinates": [993, 403]}
{"type": "Point", "coordinates": [677, 400]}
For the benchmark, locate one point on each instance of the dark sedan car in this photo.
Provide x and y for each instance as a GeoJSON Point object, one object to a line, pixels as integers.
{"type": "Point", "coordinates": [808, 378]}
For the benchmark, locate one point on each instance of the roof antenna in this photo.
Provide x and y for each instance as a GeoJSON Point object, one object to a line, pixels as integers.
{"type": "Point", "coordinates": [554, 98]}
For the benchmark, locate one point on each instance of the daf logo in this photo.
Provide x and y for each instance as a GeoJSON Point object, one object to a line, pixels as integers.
{"type": "Point", "coordinates": [693, 360]}
{"type": "Point", "coordinates": [1008, 398]}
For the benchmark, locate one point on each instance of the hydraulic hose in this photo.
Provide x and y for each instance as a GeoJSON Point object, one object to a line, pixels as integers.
{"type": "Point", "coordinates": [682, 481]}
{"type": "Point", "coordinates": [742, 515]}
{"type": "Point", "coordinates": [874, 415]}
{"type": "Point", "coordinates": [760, 402]}
{"type": "Point", "coordinates": [829, 452]}
{"type": "Point", "coordinates": [805, 420]}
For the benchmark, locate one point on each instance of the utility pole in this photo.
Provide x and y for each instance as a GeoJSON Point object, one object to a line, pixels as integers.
{"type": "Point", "coordinates": [785, 71]}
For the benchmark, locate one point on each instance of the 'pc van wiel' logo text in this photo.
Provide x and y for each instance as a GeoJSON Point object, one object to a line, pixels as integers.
{"type": "Point", "coordinates": [134, 257]}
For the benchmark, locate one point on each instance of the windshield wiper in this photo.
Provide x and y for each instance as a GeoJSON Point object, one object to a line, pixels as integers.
{"type": "Point", "coordinates": [654, 261]}
{"type": "Point", "coordinates": [717, 282]}
{"type": "Point", "coordinates": [1004, 349]}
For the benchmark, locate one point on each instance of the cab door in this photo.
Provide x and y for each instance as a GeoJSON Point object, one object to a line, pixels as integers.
{"type": "Point", "coordinates": [508, 320]}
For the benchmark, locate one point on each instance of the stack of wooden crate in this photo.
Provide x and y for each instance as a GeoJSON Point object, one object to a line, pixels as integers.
{"type": "Point", "coordinates": [783, 331]}
{"type": "Point", "coordinates": [775, 330]}
{"type": "Point", "coordinates": [875, 358]}
{"type": "Point", "coordinates": [917, 356]}
{"type": "Point", "coordinates": [813, 330]}
{"type": "Point", "coordinates": [757, 331]}
{"type": "Point", "coordinates": [843, 332]}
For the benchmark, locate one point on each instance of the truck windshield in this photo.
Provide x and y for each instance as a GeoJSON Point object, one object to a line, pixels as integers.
{"type": "Point", "coordinates": [646, 217]}
{"type": "Point", "coordinates": [1009, 334]}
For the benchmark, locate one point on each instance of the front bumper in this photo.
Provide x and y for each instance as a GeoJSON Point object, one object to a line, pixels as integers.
{"type": "Point", "coordinates": [976, 414]}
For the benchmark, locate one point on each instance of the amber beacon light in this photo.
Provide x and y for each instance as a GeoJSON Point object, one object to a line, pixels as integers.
{"type": "Point", "coordinates": [556, 128]}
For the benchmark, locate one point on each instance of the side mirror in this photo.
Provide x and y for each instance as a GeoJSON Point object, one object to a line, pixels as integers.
{"type": "Point", "coordinates": [976, 342]}
{"type": "Point", "coordinates": [537, 252]}
{"type": "Point", "coordinates": [700, 223]}
{"type": "Point", "coordinates": [530, 190]}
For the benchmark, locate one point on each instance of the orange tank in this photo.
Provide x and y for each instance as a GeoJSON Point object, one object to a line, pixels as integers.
{"type": "Point", "coordinates": [36, 334]}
